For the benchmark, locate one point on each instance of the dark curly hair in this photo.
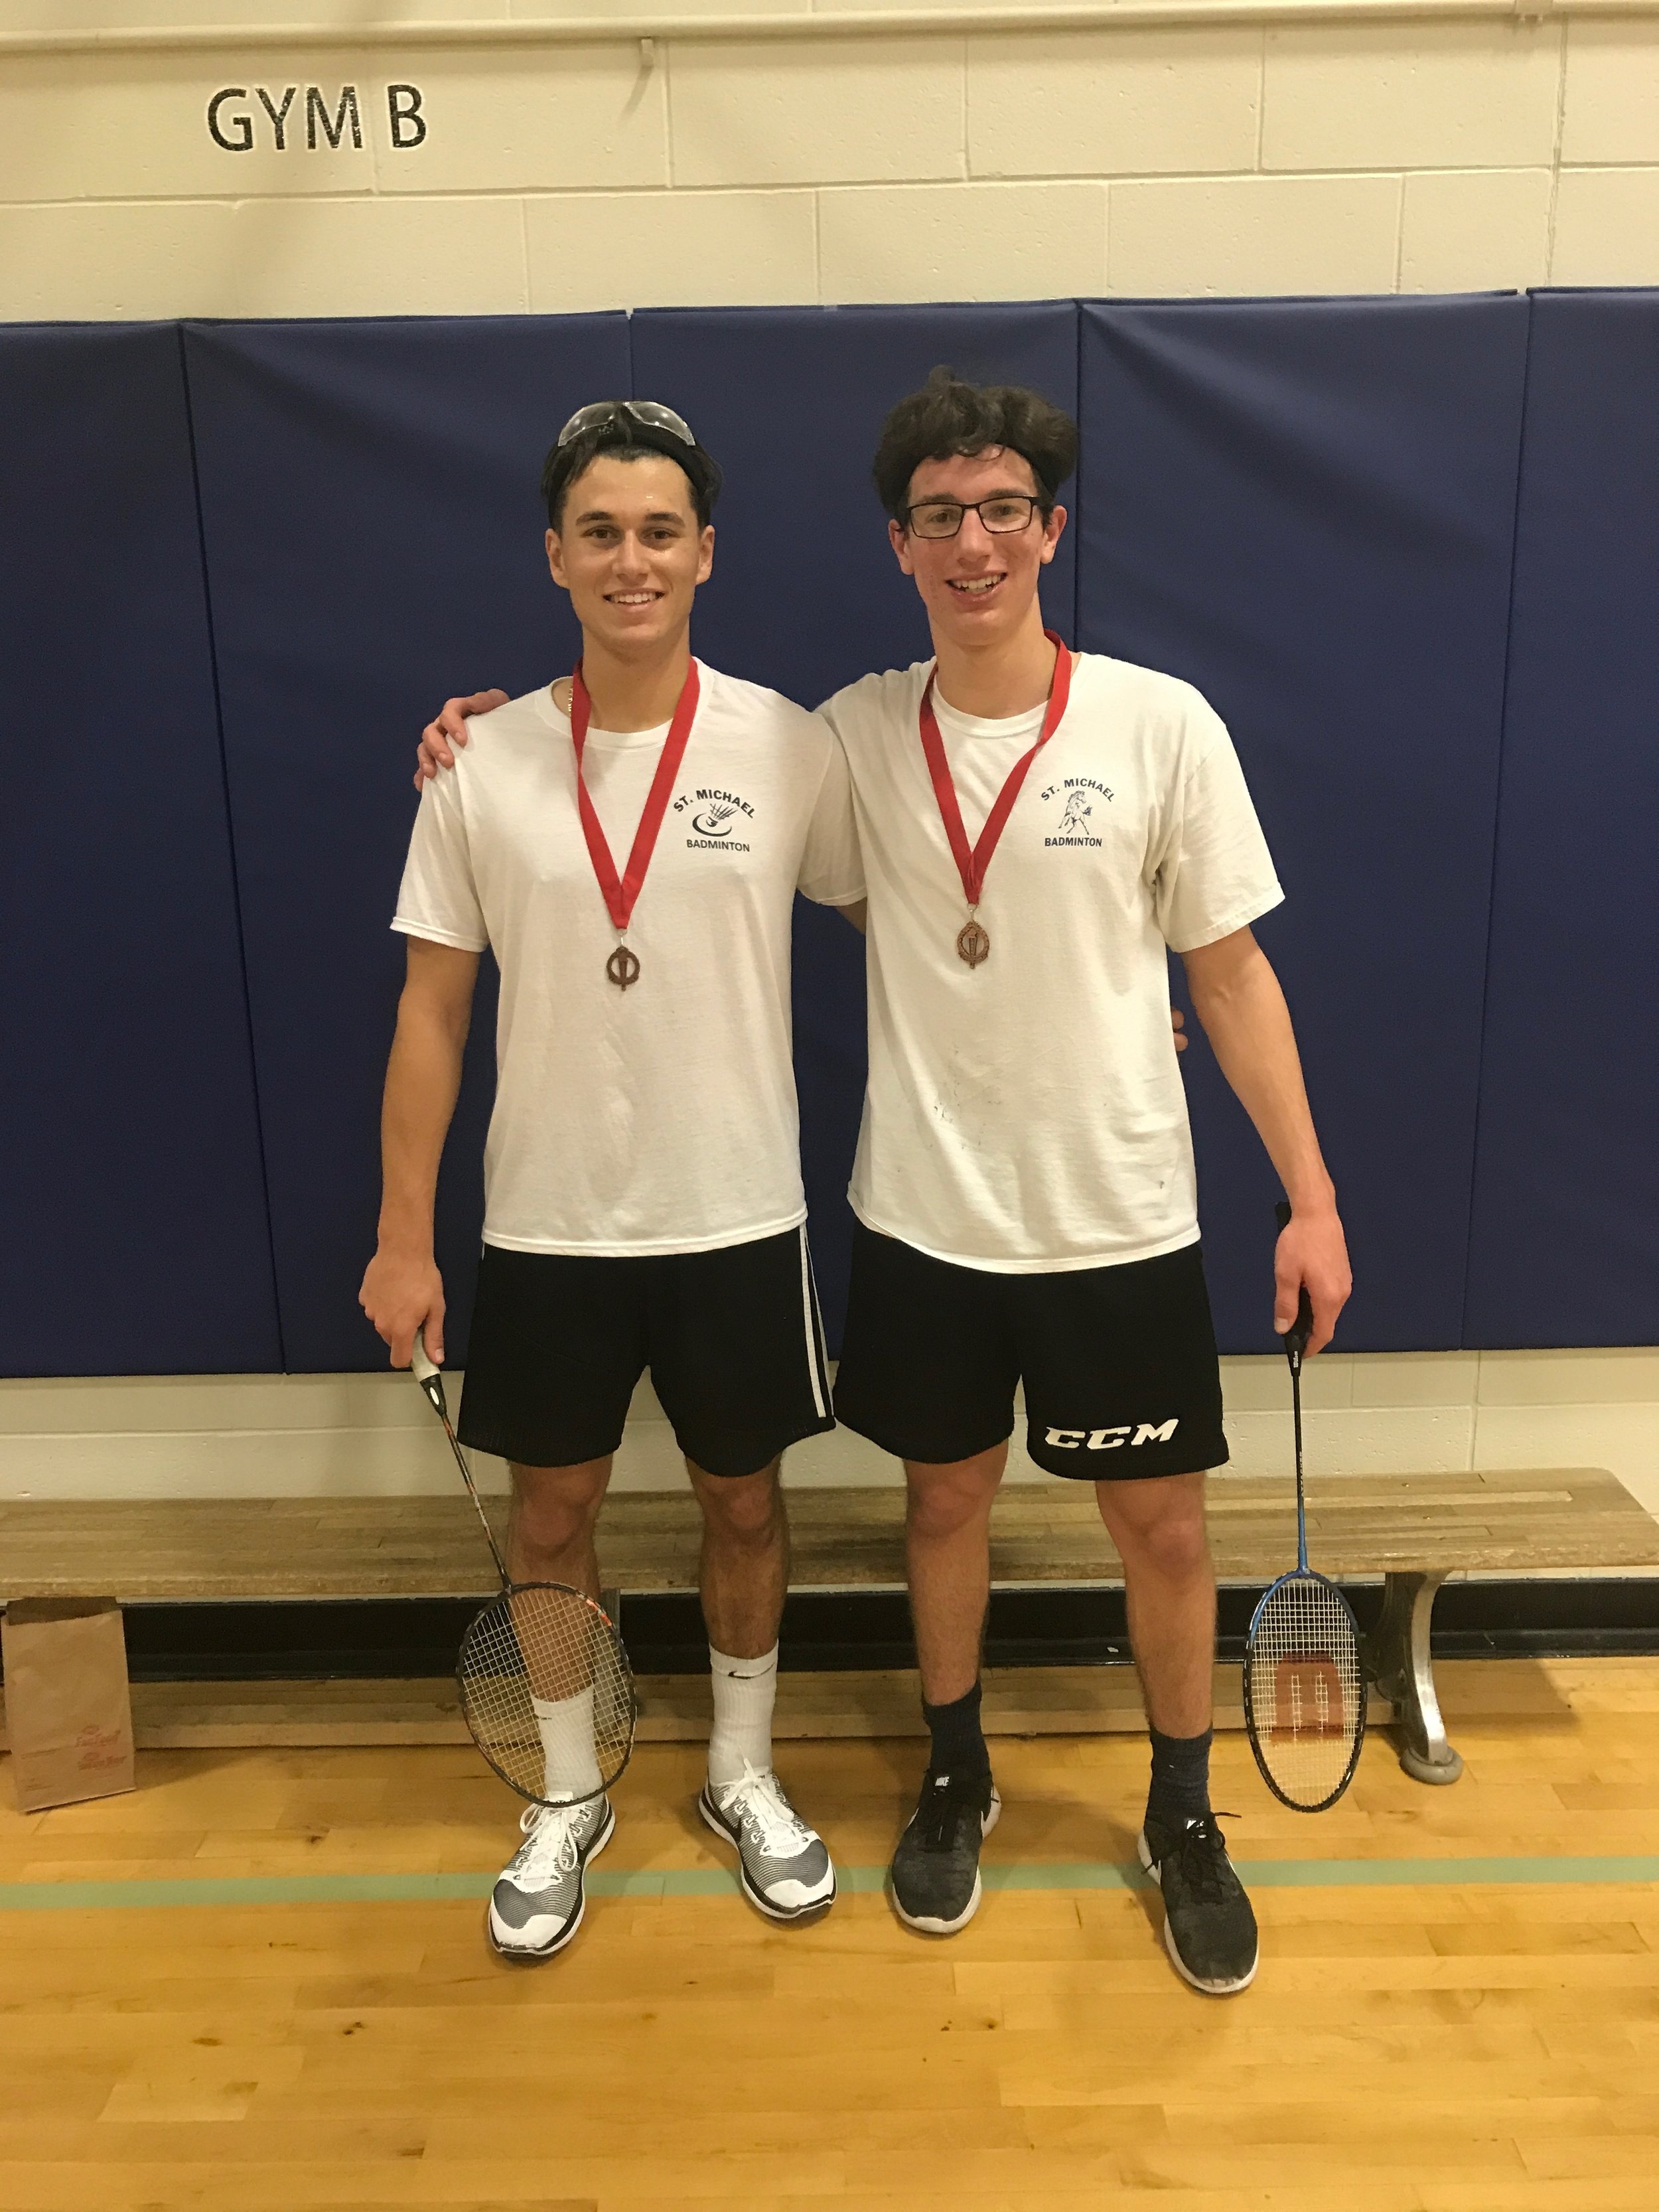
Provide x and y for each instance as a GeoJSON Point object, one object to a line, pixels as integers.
{"type": "Point", "coordinates": [948, 415]}
{"type": "Point", "coordinates": [621, 438]}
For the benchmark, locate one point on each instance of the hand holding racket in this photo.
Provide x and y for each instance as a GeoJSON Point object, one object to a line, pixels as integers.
{"type": "Point", "coordinates": [1305, 1689]}
{"type": "Point", "coordinates": [539, 1644]}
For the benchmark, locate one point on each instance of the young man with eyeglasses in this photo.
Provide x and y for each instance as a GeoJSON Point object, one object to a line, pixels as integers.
{"type": "Point", "coordinates": [1039, 829]}
{"type": "Point", "coordinates": [627, 841]}
{"type": "Point", "coordinates": [1025, 1185]}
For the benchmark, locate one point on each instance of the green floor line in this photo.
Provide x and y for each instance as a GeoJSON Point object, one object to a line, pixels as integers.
{"type": "Point", "coordinates": [716, 1881]}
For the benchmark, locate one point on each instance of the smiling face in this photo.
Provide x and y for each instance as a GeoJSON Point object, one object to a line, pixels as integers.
{"type": "Point", "coordinates": [630, 552]}
{"type": "Point", "coordinates": [979, 588]}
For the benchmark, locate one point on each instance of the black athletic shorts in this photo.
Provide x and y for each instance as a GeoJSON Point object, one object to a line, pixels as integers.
{"type": "Point", "coordinates": [1119, 1364]}
{"type": "Point", "coordinates": [731, 1338]}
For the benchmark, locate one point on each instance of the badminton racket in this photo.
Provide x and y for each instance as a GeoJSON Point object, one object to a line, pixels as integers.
{"type": "Point", "coordinates": [538, 1644]}
{"type": "Point", "coordinates": [1304, 1687]}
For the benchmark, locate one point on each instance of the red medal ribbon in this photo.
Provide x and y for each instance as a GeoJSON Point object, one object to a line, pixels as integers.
{"type": "Point", "coordinates": [971, 864]}
{"type": "Point", "coordinates": [619, 896]}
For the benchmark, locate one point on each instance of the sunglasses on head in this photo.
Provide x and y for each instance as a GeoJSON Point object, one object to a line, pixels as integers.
{"type": "Point", "coordinates": [650, 414]}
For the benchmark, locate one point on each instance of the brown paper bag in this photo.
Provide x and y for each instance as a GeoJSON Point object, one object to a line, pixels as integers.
{"type": "Point", "coordinates": [69, 1712]}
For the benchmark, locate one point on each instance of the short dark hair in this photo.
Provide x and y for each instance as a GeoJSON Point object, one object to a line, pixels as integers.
{"type": "Point", "coordinates": [623, 440]}
{"type": "Point", "coordinates": [948, 415]}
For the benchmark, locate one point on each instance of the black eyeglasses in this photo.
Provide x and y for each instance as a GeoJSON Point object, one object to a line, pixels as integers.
{"type": "Point", "coordinates": [942, 518]}
{"type": "Point", "coordinates": [650, 413]}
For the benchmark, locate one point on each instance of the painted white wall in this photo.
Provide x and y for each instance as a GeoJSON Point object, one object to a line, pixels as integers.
{"type": "Point", "coordinates": [307, 1435]}
{"type": "Point", "coordinates": [1398, 155]}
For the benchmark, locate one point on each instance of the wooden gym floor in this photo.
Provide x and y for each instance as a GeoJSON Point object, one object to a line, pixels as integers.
{"type": "Point", "coordinates": [260, 1982]}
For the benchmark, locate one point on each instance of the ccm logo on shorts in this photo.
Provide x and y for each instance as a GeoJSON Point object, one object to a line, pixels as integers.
{"type": "Point", "coordinates": [1148, 1432]}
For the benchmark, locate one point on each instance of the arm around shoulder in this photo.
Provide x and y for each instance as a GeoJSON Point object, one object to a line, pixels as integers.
{"type": "Point", "coordinates": [447, 732]}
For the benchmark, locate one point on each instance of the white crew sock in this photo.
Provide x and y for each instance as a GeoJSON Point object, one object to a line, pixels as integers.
{"type": "Point", "coordinates": [744, 1692]}
{"type": "Point", "coordinates": [567, 1733]}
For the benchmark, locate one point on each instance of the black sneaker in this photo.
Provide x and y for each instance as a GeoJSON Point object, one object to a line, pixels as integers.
{"type": "Point", "coordinates": [1209, 1928]}
{"type": "Point", "coordinates": [936, 1885]}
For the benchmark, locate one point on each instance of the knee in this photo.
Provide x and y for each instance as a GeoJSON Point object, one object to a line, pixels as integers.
{"type": "Point", "coordinates": [556, 1507]}
{"type": "Point", "coordinates": [744, 1509]}
{"type": "Point", "coordinates": [943, 1505]}
{"type": "Point", "coordinates": [1170, 1543]}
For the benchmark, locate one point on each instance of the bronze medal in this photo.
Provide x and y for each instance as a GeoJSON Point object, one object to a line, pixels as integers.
{"type": "Point", "coordinates": [973, 940]}
{"type": "Point", "coordinates": [972, 943]}
{"type": "Point", "coordinates": [622, 968]}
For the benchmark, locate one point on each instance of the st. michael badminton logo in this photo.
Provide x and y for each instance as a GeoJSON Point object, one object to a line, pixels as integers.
{"type": "Point", "coordinates": [713, 820]}
{"type": "Point", "coordinates": [1080, 799]}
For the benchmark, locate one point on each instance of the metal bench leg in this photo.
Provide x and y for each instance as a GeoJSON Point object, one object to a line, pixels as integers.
{"type": "Point", "coordinates": [1398, 1661]}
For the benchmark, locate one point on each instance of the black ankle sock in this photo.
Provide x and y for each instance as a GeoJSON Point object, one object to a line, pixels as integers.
{"type": "Point", "coordinates": [959, 1739]}
{"type": "Point", "coordinates": [1181, 1780]}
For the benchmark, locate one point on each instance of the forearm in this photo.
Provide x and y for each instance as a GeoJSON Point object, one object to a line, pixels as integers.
{"type": "Point", "coordinates": [1245, 1018]}
{"type": "Point", "coordinates": [423, 1079]}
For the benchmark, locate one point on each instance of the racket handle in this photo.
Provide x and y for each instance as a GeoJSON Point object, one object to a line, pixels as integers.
{"type": "Point", "coordinates": [1295, 1338]}
{"type": "Point", "coordinates": [424, 1366]}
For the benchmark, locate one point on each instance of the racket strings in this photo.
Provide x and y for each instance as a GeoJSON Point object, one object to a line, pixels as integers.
{"type": "Point", "coordinates": [1305, 1689]}
{"type": "Point", "coordinates": [549, 1644]}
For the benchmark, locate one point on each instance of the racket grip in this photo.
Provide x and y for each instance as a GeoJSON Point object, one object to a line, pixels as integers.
{"type": "Point", "coordinates": [423, 1365]}
{"type": "Point", "coordinates": [1295, 1338]}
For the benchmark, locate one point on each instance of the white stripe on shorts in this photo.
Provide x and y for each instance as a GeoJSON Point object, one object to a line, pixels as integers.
{"type": "Point", "coordinates": [816, 1364]}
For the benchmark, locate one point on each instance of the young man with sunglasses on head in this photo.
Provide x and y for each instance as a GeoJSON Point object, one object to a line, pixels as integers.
{"type": "Point", "coordinates": [627, 841]}
{"type": "Point", "coordinates": [1039, 829]}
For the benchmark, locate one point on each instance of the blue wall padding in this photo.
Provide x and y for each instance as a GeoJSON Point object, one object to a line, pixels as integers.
{"type": "Point", "coordinates": [1566, 1247]}
{"type": "Point", "coordinates": [375, 542]}
{"type": "Point", "coordinates": [245, 566]}
{"type": "Point", "coordinates": [133, 1237]}
{"type": "Point", "coordinates": [1307, 509]}
{"type": "Point", "coordinates": [806, 595]}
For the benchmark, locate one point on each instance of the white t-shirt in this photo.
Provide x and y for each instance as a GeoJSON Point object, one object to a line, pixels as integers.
{"type": "Point", "coordinates": [661, 1118]}
{"type": "Point", "coordinates": [1028, 1115]}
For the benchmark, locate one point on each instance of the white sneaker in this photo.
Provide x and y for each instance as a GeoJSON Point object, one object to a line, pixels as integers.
{"type": "Point", "coordinates": [537, 1905]}
{"type": "Point", "coordinates": [782, 1864]}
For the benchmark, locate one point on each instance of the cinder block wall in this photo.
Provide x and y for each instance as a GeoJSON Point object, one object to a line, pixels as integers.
{"type": "Point", "coordinates": [911, 165]}
{"type": "Point", "coordinates": [1408, 156]}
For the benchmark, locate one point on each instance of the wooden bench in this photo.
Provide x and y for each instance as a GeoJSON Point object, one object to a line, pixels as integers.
{"type": "Point", "coordinates": [1411, 1532]}
{"type": "Point", "coordinates": [1414, 1532]}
